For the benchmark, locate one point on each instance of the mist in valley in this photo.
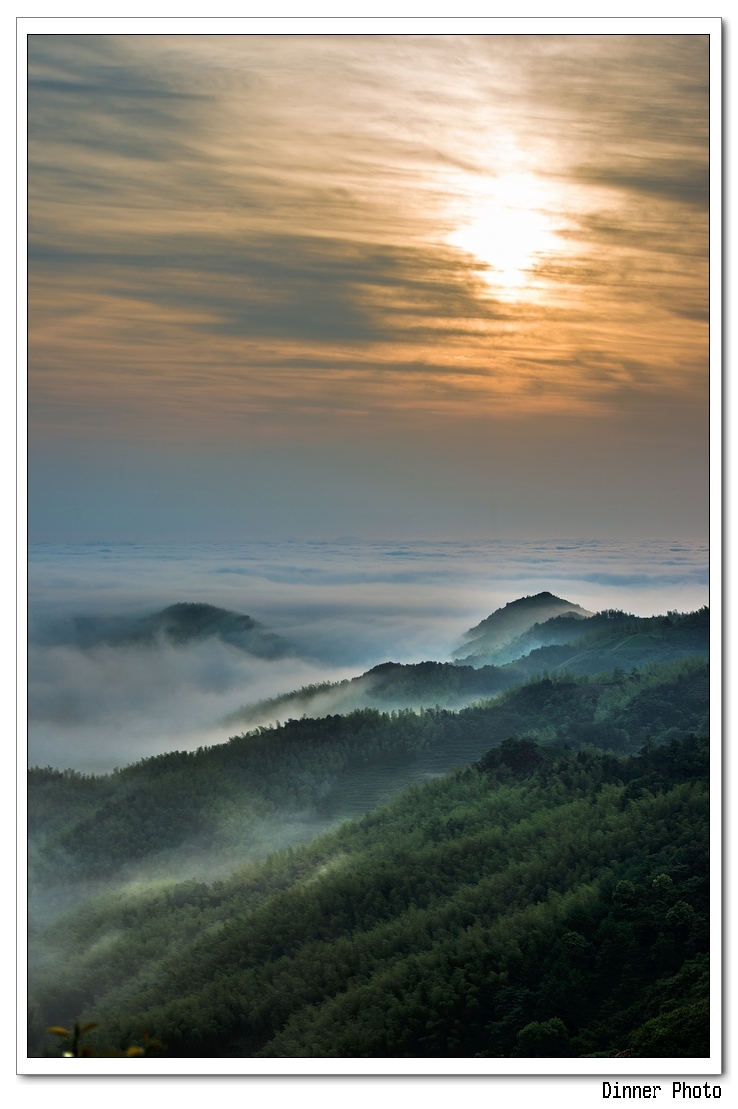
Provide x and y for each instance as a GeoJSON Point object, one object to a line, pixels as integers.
{"type": "Point", "coordinates": [339, 608]}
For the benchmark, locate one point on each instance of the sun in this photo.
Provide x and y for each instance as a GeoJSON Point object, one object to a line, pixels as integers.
{"type": "Point", "coordinates": [510, 226]}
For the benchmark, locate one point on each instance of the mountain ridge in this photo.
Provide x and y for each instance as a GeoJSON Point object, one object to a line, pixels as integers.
{"type": "Point", "coordinates": [615, 639]}
{"type": "Point", "coordinates": [515, 618]}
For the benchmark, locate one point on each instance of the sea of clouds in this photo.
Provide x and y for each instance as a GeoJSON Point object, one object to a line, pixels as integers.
{"type": "Point", "coordinates": [342, 606]}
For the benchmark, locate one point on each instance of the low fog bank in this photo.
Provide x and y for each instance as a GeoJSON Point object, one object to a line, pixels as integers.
{"type": "Point", "coordinates": [108, 706]}
{"type": "Point", "coordinates": [49, 903]}
{"type": "Point", "coordinates": [343, 697]}
{"type": "Point", "coordinates": [349, 797]}
{"type": "Point", "coordinates": [343, 607]}
{"type": "Point", "coordinates": [194, 860]}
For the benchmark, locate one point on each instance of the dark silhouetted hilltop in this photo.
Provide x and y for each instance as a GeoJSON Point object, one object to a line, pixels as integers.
{"type": "Point", "coordinates": [178, 624]}
{"type": "Point", "coordinates": [513, 620]}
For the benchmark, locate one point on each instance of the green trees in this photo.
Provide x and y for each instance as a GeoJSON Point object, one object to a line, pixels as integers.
{"type": "Point", "coordinates": [547, 1039]}
{"type": "Point", "coordinates": [579, 646]}
{"type": "Point", "coordinates": [682, 1031]}
{"type": "Point", "coordinates": [216, 798]}
{"type": "Point", "coordinates": [546, 901]}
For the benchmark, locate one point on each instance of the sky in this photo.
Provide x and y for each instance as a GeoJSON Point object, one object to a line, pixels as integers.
{"type": "Point", "coordinates": [374, 286]}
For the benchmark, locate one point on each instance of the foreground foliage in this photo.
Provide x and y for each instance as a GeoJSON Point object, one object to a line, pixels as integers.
{"type": "Point", "coordinates": [73, 1045]}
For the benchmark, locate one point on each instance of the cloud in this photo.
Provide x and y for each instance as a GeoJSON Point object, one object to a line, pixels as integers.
{"type": "Point", "coordinates": [89, 94]}
{"type": "Point", "coordinates": [286, 286]}
{"type": "Point", "coordinates": [285, 159]}
{"type": "Point", "coordinates": [687, 182]}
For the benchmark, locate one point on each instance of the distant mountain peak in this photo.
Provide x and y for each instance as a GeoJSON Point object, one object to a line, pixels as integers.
{"type": "Point", "coordinates": [191, 608]}
{"type": "Point", "coordinates": [179, 624]}
{"type": "Point", "coordinates": [515, 618]}
{"type": "Point", "coordinates": [194, 619]}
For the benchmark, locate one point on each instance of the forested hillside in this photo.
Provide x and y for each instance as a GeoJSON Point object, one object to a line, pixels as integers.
{"type": "Point", "coordinates": [638, 637]}
{"type": "Point", "coordinates": [576, 644]}
{"type": "Point", "coordinates": [544, 902]}
{"type": "Point", "coordinates": [521, 870]}
{"type": "Point", "coordinates": [85, 826]}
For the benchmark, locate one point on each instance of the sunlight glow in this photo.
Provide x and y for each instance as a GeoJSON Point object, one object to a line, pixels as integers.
{"type": "Point", "coordinates": [511, 228]}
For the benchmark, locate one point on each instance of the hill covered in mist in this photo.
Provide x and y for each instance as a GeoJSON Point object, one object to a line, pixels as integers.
{"type": "Point", "coordinates": [513, 619]}
{"type": "Point", "coordinates": [178, 625]}
{"type": "Point", "coordinates": [580, 645]}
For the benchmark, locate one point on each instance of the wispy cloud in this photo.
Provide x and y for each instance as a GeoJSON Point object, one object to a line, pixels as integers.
{"type": "Point", "coordinates": [280, 239]}
{"type": "Point", "coordinates": [277, 184]}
